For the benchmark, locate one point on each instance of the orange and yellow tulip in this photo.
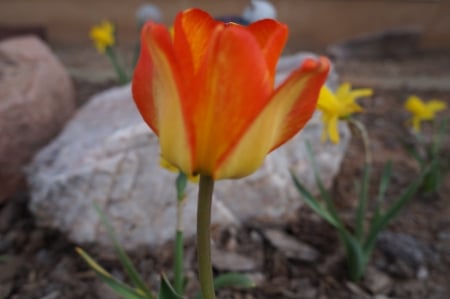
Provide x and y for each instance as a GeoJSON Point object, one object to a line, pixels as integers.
{"type": "Point", "coordinates": [207, 90]}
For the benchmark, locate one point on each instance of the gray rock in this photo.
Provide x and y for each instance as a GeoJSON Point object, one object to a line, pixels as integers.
{"type": "Point", "coordinates": [107, 155]}
{"type": "Point", "coordinates": [376, 281]}
{"type": "Point", "coordinates": [403, 247]}
{"type": "Point", "coordinates": [410, 256]}
{"type": "Point", "coordinates": [291, 247]}
{"type": "Point", "coordinates": [37, 98]}
{"type": "Point", "coordinates": [231, 261]}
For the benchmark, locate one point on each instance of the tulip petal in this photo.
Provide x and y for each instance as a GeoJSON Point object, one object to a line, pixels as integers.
{"type": "Point", "coordinates": [271, 36]}
{"type": "Point", "coordinates": [192, 31]}
{"type": "Point", "coordinates": [291, 106]}
{"type": "Point", "coordinates": [300, 93]}
{"type": "Point", "coordinates": [236, 87]}
{"type": "Point", "coordinates": [156, 93]}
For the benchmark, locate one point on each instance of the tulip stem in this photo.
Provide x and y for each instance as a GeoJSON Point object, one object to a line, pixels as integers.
{"type": "Point", "coordinates": [203, 236]}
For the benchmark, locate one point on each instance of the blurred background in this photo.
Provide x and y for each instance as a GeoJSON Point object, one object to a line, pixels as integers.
{"type": "Point", "coordinates": [314, 24]}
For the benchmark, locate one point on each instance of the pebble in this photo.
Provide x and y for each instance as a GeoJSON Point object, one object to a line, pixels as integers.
{"type": "Point", "coordinates": [376, 281]}
{"type": "Point", "coordinates": [291, 247]}
{"type": "Point", "coordinates": [232, 261]}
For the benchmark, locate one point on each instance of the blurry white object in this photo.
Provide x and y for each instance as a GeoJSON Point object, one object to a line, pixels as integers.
{"type": "Point", "coordinates": [258, 10]}
{"type": "Point", "coordinates": [147, 12]}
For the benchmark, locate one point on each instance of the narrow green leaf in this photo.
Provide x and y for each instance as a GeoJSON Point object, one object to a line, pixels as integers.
{"type": "Point", "coordinates": [323, 192]}
{"type": "Point", "coordinates": [362, 203]}
{"type": "Point", "coordinates": [180, 184]}
{"type": "Point", "coordinates": [119, 287]}
{"type": "Point", "coordinates": [123, 257]}
{"type": "Point", "coordinates": [438, 138]}
{"type": "Point", "coordinates": [312, 202]}
{"type": "Point", "coordinates": [178, 263]}
{"type": "Point", "coordinates": [413, 152]}
{"type": "Point", "coordinates": [356, 258]}
{"type": "Point", "coordinates": [166, 290]}
{"type": "Point", "coordinates": [384, 183]}
{"type": "Point", "coordinates": [122, 76]}
{"type": "Point", "coordinates": [230, 280]}
{"type": "Point", "coordinates": [384, 220]}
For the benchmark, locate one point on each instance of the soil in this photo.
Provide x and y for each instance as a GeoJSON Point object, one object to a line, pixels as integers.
{"type": "Point", "coordinates": [40, 263]}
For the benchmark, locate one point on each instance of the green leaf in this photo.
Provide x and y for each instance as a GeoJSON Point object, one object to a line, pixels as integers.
{"type": "Point", "coordinates": [438, 138]}
{"type": "Point", "coordinates": [323, 192]}
{"type": "Point", "coordinates": [356, 257]}
{"type": "Point", "coordinates": [166, 290]}
{"type": "Point", "coordinates": [384, 183]}
{"type": "Point", "coordinates": [230, 280]}
{"type": "Point", "coordinates": [312, 202]}
{"type": "Point", "coordinates": [123, 257]}
{"type": "Point", "coordinates": [178, 263]}
{"type": "Point", "coordinates": [180, 184]}
{"type": "Point", "coordinates": [414, 153]}
{"type": "Point", "coordinates": [119, 287]}
{"type": "Point", "coordinates": [396, 207]}
{"type": "Point", "coordinates": [362, 204]}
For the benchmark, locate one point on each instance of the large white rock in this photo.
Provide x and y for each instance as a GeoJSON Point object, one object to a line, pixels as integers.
{"type": "Point", "coordinates": [107, 155]}
{"type": "Point", "coordinates": [36, 99]}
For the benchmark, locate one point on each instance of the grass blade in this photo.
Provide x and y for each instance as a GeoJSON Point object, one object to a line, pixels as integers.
{"type": "Point", "coordinates": [123, 257]}
{"type": "Point", "coordinates": [119, 287]}
{"type": "Point", "coordinates": [383, 220]}
{"type": "Point", "coordinates": [230, 280]}
{"type": "Point", "coordinates": [166, 290]}
{"type": "Point", "coordinates": [323, 192]}
{"type": "Point", "coordinates": [312, 202]}
{"type": "Point", "coordinates": [362, 204]}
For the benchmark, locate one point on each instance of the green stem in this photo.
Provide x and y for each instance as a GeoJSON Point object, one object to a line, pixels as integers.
{"type": "Point", "coordinates": [180, 185]}
{"type": "Point", "coordinates": [203, 237]}
{"type": "Point", "coordinates": [365, 138]}
{"type": "Point", "coordinates": [123, 77]}
{"type": "Point", "coordinates": [178, 271]}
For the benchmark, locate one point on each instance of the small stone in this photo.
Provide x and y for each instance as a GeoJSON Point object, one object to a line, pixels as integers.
{"type": "Point", "coordinates": [376, 281]}
{"type": "Point", "coordinates": [403, 247]}
{"type": "Point", "coordinates": [357, 291]}
{"type": "Point", "coordinates": [231, 261]}
{"type": "Point", "coordinates": [290, 247]}
{"type": "Point", "coordinates": [52, 295]}
{"type": "Point", "coordinates": [422, 273]}
{"type": "Point", "coordinates": [257, 277]}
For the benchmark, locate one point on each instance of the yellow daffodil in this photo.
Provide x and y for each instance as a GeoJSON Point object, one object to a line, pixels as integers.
{"type": "Point", "coordinates": [208, 93]}
{"type": "Point", "coordinates": [339, 105]}
{"type": "Point", "coordinates": [422, 111]}
{"type": "Point", "coordinates": [103, 36]}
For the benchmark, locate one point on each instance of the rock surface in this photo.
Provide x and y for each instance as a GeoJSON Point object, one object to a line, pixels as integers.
{"type": "Point", "coordinates": [291, 247]}
{"type": "Point", "coordinates": [107, 155]}
{"type": "Point", "coordinates": [36, 99]}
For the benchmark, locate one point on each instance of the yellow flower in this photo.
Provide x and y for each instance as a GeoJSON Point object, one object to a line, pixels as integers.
{"type": "Point", "coordinates": [422, 111]}
{"type": "Point", "coordinates": [339, 105]}
{"type": "Point", "coordinates": [103, 36]}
